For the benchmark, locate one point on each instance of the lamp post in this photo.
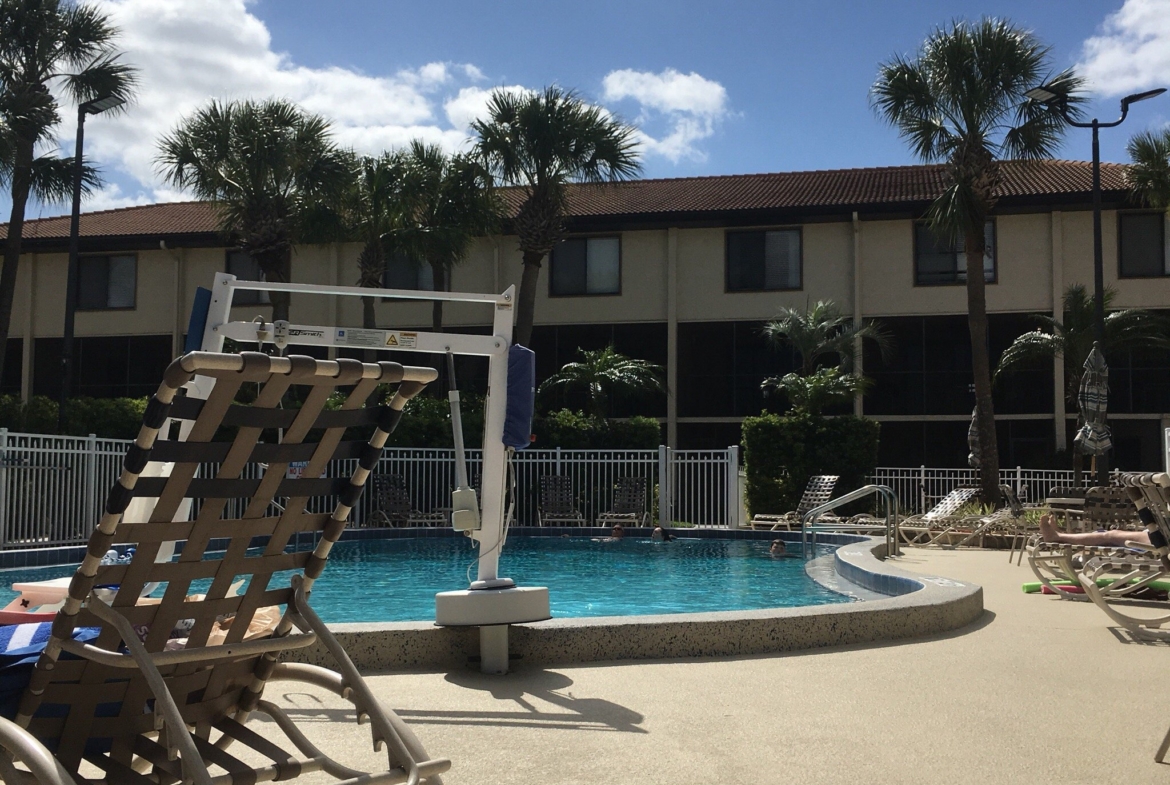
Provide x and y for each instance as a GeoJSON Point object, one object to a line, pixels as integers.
{"type": "Point", "coordinates": [1059, 103]}
{"type": "Point", "coordinates": [96, 106]}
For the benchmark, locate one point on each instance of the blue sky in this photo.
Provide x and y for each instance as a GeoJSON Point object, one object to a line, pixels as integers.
{"type": "Point", "coordinates": [716, 87]}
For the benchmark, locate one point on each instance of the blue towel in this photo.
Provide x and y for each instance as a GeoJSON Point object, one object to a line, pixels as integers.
{"type": "Point", "coordinates": [20, 647]}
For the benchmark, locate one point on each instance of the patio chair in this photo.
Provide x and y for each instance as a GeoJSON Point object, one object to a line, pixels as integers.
{"type": "Point", "coordinates": [629, 503]}
{"type": "Point", "coordinates": [818, 491]}
{"type": "Point", "coordinates": [1058, 565]}
{"type": "Point", "coordinates": [1007, 521]}
{"type": "Point", "coordinates": [155, 690]}
{"type": "Point", "coordinates": [557, 504]}
{"type": "Point", "coordinates": [393, 506]}
{"type": "Point", "coordinates": [939, 521]}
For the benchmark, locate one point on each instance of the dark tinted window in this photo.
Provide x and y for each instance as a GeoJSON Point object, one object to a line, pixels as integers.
{"type": "Point", "coordinates": [762, 261]}
{"type": "Point", "coordinates": [244, 267]}
{"type": "Point", "coordinates": [585, 265]}
{"type": "Point", "coordinates": [105, 282]}
{"type": "Point", "coordinates": [403, 273]}
{"type": "Point", "coordinates": [105, 366]}
{"type": "Point", "coordinates": [1143, 244]}
{"type": "Point", "coordinates": [937, 260]}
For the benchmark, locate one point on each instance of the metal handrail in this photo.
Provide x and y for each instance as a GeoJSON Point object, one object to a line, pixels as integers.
{"type": "Point", "coordinates": [884, 491]}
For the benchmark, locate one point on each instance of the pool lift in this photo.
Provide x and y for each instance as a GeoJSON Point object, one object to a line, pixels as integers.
{"type": "Point", "coordinates": [491, 602]}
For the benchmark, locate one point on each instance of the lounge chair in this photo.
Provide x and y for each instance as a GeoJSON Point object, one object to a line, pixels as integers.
{"type": "Point", "coordinates": [557, 504]}
{"type": "Point", "coordinates": [818, 491]}
{"type": "Point", "coordinates": [1007, 521]}
{"type": "Point", "coordinates": [135, 686]}
{"type": "Point", "coordinates": [393, 506]}
{"type": "Point", "coordinates": [1058, 565]}
{"type": "Point", "coordinates": [629, 503]}
{"type": "Point", "coordinates": [940, 521]}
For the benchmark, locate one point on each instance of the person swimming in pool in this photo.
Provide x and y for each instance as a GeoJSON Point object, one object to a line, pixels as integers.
{"type": "Point", "coordinates": [615, 535]}
{"type": "Point", "coordinates": [779, 551]}
{"type": "Point", "coordinates": [661, 535]}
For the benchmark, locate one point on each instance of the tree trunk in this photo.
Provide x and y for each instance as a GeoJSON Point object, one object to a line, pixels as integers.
{"type": "Point", "coordinates": [369, 319]}
{"type": "Point", "coordinates": [526, 308]}
{"type": "Point", "coordinates": [440, 278]}
{"type": "Point", "coordinates": [981, 367]}
{"type": "Point", "coordinates": [20, 187]}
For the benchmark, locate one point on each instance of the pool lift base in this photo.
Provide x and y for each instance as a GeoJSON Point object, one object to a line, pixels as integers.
{"type": "Point", "coordinates": [492, 610]}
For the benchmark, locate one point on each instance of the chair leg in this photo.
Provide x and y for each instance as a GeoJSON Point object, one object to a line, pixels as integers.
{"type": "Point", "coordinates": [1163, 748]}
{"type": "Point", "coordinates": [24, 747]}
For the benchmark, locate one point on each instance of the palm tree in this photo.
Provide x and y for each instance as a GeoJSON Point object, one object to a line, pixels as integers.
{"type": "Point", "coordinates": [816, 391]}
{"type": "Point", "coordinates": [448, 203]}
{"type": "Point", "coordinates": [1149, 169]}
{"type": "Point", "coordinates": [541, 142]}
{"type": "Point", "coordinates": [603, 372]}
{"type": "Point", "coordinates": [373, 209]}
{"type": "Point", "coordinates": [961, 101]}
{"type": "Point", "coordinates": [271, 169]}
{"type": "Point", "coordinates": [47, 48]}
{"type": "Point", "coordinates": [822, 333]}
{"type": "Point", "coordinates": [1072, 337]}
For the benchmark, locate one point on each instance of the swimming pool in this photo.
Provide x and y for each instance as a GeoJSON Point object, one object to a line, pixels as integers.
{"type": "Point", "coordinates": [396, 580]}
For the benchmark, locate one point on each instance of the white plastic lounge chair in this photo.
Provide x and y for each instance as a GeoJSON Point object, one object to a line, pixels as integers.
{"type": "Point", "coordinates": [932, 526]}
{"type": "Point", "coordinates": [818, 491]}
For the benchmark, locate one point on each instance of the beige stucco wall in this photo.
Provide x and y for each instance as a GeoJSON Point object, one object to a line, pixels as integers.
{"type": "Point", "coordinates": [1024, 247]}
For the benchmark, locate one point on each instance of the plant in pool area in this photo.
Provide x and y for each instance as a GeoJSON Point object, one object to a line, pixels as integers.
{"type": "Point", "coordinates": [819, 390]}
{"type": "Point", "coordinates": [603, 373]}
{"type": "Point", "coordinates": [961, 100]}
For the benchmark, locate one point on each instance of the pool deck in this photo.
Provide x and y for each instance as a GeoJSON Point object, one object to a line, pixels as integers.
{"type": "Point", "coordinates": [999, 701]}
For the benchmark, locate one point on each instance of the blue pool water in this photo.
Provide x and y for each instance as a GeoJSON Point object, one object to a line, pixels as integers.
{"type": "Point", "coordinates": [396, 580]}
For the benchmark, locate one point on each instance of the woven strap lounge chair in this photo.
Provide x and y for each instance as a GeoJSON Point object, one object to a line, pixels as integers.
{"type": "Point", "coordinates": [152, 691]}
{"type": "Point", "coordinates": [818, 491]}
{"type": "Point", "coordinates": [629, 503]}
{"type": "Point", "coordinates": [557, 504]}
{"type": "Point", "coordinates": [937, 523]}
{"type": "Point", "coordinates": [1058, 565]}
{"type": "Point", "coordinates": [393, 505]}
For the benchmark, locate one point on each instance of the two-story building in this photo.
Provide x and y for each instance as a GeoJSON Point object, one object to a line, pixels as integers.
{"type": "Point", "coordinates": [684, 272]}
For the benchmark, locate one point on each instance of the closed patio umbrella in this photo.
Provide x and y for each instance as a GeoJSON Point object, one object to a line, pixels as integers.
{"type": "Point", "coordinates": [1093, 438]}
{"type": "Point", "coordinates": [973, 440]}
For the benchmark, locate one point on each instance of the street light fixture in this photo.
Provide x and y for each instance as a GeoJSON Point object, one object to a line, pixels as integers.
{"type": "Point", "coordinates": [1058, 102]}
{"type": "Point", "coordinates": [96, 106]}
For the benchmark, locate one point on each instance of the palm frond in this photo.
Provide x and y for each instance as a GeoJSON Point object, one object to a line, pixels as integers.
{"type": "Point", "coordinates": [1149, 171]}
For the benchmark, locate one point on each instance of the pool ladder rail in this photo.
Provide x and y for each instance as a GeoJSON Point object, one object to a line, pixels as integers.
{"type": "Point", "coordinates": [809, 527]}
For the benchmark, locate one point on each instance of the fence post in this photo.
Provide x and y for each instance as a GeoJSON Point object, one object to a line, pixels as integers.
{"type": "Point", "coordinates": [90, 480]}
{"type": "Point", "coordinates": [3, 486]}
{"type": "Point", "coordinates": [733, 503]}
{"type": "Point", "coordinates": [663, 486]}
{"type": "Point", "coordinates": [922, 489]}
{"type": "Point", "coordinates": [558, 460]}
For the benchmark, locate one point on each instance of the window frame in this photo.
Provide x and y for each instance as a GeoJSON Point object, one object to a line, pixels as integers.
{"type": "Point", "coordinates": [727, 233]}
{"type": "Point", "coordinates": [1165, 273]}
{"type": "Point", "coordinates": [77, 294]}
{"type": "Point", "coordinates": [994, 257]}
{"type": "Point", "coordinates": [587, 237]}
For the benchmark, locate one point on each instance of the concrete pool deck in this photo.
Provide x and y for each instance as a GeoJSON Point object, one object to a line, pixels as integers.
{"type": "Point", "coordinates": [999, 701]}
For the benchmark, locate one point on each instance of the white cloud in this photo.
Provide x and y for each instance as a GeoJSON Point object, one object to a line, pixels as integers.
{"type": "Point", "coordinates": [471, 104]}
{"type": "Point", "coordinates": [191, 51]}
{"type": "Point", "coordinates": [1131, 51]}
{"type": "Point", "coordinates": [689, 105]}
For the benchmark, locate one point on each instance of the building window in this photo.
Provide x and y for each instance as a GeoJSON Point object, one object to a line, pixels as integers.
{"type": "Point", "coordinates": [403, 273]}
{"type": "Point", "coordinates": [106, 282]}
{"type": "Point", "coordinates": [245, 268]}
{"type": "Point", "coordinates": [937, 260]}
{"type": "Point", "coordinates": [1142, 240]}
{"type": "Point", "coordinates": [586, 265]}
{"type": "Point", "coordinates": [763, 261]}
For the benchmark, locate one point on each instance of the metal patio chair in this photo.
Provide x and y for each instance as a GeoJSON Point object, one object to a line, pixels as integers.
{"type": "Point", "coordinates": [629, 503]}
{"type": "Point", "coordinates": [557, 504]}
{"type": "Point", "coordinates": [393, 506]}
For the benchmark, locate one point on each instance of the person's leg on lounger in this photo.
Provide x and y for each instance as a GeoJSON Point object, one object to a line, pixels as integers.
{"type": "Point", "coordinates": [1115, 538]}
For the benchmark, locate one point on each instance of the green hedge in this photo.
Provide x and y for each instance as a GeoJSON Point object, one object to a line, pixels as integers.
{"type": "Point", "coordinates": [109, 418]}
{"type": "Point", "coordinates": [781, 453]}
{"type": "Point", "coordinates": [572, 430]}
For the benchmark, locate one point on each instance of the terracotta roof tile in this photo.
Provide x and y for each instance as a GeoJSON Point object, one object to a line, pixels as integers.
{"type": "Point", "coordinates": [832, 189]}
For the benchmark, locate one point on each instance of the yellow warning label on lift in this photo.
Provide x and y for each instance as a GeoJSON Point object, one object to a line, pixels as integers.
{"type": "Point", "coordinates": [402, 340]}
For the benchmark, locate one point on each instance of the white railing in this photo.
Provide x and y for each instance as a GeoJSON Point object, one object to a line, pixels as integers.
{"type": "Point", "coordinates": [920, 488]}
{"type": "Point", "coordinates": [52, 488]}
